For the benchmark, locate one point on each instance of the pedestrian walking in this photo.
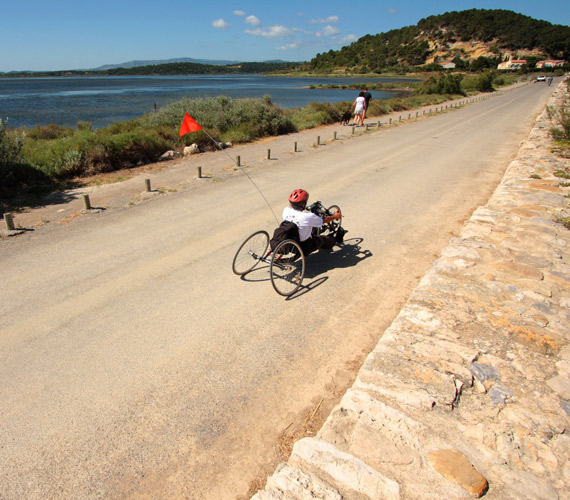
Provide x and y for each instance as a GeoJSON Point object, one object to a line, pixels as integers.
{"type": "Point", "coordinates": [367, 98]}
{"type": "Point", "coordinates": [359, 106]}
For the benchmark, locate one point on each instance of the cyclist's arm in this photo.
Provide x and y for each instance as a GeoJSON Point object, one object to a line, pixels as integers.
{"type": "Point", "coordinates": [330, 218]}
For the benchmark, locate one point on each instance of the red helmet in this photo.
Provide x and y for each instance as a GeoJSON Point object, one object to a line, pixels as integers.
{"type": "Point", "coordinates": [298, 196]}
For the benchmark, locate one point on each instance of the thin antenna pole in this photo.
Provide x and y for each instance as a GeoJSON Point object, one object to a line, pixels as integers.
{"type": "Point", "coordinates": [244, 172]}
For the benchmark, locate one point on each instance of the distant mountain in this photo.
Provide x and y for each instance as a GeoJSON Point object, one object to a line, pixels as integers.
{"type": "Point", "coordinates": [136, 64]}
{"type": "Point", "coordinates": [170, 68]}
{"type": "Point", "coordinates": [472, 37]}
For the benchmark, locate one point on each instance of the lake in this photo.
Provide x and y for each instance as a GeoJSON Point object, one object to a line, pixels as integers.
{"type": "Point", "coordinates": [103, 100]}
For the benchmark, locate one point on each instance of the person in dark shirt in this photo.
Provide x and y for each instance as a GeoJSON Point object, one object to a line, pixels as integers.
{"type": "Point", "coordinates": [367, 98]}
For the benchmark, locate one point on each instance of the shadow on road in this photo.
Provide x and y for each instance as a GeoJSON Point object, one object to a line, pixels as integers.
{"type": "Point", "coordinates": [349, 255]}
{"type": "Point", "coordinates": [39, 197]}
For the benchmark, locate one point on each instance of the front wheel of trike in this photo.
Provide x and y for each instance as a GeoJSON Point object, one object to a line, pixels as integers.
{"type": "Point", "coordinates": [335, 224]}
{"type": "Point", "coordinates": [287, 268]}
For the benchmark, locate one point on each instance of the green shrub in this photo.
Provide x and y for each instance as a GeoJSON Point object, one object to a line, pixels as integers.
{"type": "Point", "coordinates": [82, 125]}
{"type": "Point", "coordinates": [561, 117]}
{"type": "Point", "coordinates": [220, 115]}
{"type": "Point", "coordinates": [304, 118]}
{"type": "Point", "coordinates": [398, 105]}
{"type": "Point", "coordinates": [51, 156]}
{"type": "Point", "coordinates": [563, 218]}
{"type": "Point", "coordinates": [562, 173]}
{"type": "Point", "coordinates": [49, 132]}
{"type": "Point", "coordinates": [499, 80]}
{"type": "Point", "coordinates": [85, 153]}
{"type": "Point", "coordinates": [485, 82]}
{"type": "Point", "coordinates": [446, 83]}
{"type": "Point", "coordinates": [16, 175]}
{"type": "Point", "coordinates": [10, 146]}
{"type": "Point", "coordinates": [127, 149]}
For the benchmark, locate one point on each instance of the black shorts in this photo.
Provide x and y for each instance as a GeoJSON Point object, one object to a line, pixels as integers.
{"type": "Point", "coordinates": [315, 243]}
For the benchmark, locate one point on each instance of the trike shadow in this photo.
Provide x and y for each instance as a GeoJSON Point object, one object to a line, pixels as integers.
{"type": "Point", "coordinates": [318, 263]}
{"type": "Point", "coordinates": [349, 255]}
{"type": "Point", "coordinates": [261, 273]}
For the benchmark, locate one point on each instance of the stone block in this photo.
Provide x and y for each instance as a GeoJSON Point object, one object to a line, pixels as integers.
{"type": "Point", "coordinates": [352, 477]}
{"type": "Point", "coordinates": [520, 270]}
{"type": "Point", "coordinates": [523, 485]}
{"type": "Point", "coordinates": [454, 466]}
{"type": "Point", "coordinates": [373, 431]}
{"type": "Point", "coordinates": [560, 385]}
{"type": "Point", "coordinates": [290, 483]}
{"type": "Point", "coordinates": [484, 372]}
{"type": "Point", "coordinates": [394, 375]}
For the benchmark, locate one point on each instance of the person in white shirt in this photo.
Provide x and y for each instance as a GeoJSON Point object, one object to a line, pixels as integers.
{"type": "Point", "coordinates": [306, 221]}
{"type": "Point", "coordinates": [359, 106]}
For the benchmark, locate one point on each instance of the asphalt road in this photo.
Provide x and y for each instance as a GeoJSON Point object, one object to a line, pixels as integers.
{"type": "Point", "coordinates": [134, 364]}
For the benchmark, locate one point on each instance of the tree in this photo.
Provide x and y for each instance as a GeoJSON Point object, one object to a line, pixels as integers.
{"type": "Point", "coordinates": [485, 82]}
{"type": "Point", "coordinates": [447, 83]}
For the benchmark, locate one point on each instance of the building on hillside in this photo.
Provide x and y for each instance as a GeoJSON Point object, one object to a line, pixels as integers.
{"type": "Point", "coordinates": [550, 63]}
{"type": "Point", "coordinates": [447, 64]}
{"type": "Point", "coordinates": [512, 64]}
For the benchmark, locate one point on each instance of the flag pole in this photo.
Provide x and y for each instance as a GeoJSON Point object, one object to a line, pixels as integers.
{"type": "Point", "coordinates": [244, 172]}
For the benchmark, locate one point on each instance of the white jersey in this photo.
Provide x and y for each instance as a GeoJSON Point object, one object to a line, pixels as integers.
{"type": "Point", "coordinates": [305, 221]}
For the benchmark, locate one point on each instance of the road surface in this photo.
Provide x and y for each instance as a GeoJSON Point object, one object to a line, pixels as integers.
{"type": "Point", "coordinates": [134, 364]}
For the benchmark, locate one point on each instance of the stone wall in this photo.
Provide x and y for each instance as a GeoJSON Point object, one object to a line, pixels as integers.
{"type": "Point", "coordinates": [468, 391]}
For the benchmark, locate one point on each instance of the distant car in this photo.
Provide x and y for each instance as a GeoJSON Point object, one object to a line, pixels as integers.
{"type": "Point", "coordinates": [541, 78]}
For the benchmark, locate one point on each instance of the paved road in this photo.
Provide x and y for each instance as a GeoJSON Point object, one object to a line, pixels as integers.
{"type": "Point", "coordinates": [135, 364]}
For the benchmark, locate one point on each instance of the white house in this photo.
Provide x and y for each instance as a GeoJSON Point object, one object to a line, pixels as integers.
{"type": "Point", "coordinates": [550, 63]}
{"type": "Point", "coordinates": [512, 64]}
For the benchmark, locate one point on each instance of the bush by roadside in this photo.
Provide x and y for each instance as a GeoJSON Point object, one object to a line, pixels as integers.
{"type": "Point", "coordinates": [560, 119]}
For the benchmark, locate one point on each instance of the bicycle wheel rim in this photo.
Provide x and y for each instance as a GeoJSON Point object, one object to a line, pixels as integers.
{"type": "Point", "coordinates": [333, 209]}
{"type": "Point", "coordinates": [248, 254]}
{"type": "Point", "coordinates": [287, 268]}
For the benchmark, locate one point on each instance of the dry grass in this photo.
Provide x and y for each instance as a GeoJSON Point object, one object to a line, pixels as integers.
{"type": "Point", "coordinates": [308, 425]}
{"type": "Point", "coordinates": [309, 422]}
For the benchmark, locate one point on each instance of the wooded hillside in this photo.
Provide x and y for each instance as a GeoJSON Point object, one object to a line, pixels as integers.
{"type": "Point", "coordinates": [462, 36]}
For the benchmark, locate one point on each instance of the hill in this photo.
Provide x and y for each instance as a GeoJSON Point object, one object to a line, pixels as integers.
{"type": "Point", "coordinates": [173, 68]}
{"type": "Point", "coordinates": [466, 36]}
{"type": "Point", "coordinates": [136, 64]}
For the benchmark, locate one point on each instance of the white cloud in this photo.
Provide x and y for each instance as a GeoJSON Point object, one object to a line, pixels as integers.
{"type": "Point", "coordinates": [254, 21]}
{"type": "Point", "coordinates": [277, 32]}
{"type": "Point", "coordinates": [288, 46]}
{"type": "Point", "coordinates": [330, 19]}
{"type": "Point", "coordinates": [328, 31]}
{"type": "Point", "coordinates": [239, 12]}
{"type": "Point", "coordinates": [392, 11]}
{"type": "Point", "coordinates": [348, 39]}
{"type": "Point", "coordinates": [220, 24]}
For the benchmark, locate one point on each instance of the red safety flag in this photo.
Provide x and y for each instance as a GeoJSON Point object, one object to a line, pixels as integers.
{"type": "Point", "coordinates": [189, 125]}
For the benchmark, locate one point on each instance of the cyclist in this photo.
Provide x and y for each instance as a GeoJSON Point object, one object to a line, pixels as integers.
{"type": "Point", "coordinates": [306, 221]}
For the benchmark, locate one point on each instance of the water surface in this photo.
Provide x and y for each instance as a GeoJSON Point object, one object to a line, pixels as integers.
{"type": "Point", "coordinates": [103, 100]}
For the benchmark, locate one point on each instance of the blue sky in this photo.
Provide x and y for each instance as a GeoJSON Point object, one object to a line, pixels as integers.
{"type": "Point", "coordinates": [63, 34]}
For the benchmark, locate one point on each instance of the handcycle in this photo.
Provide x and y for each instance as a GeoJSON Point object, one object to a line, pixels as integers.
{"type": "Point", "coordinates": [287, 260]}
